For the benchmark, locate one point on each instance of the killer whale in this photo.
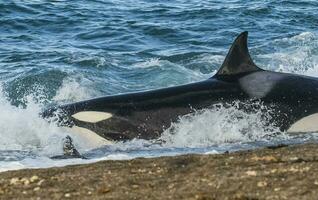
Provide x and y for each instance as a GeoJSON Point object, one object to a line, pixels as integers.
{"type": "Point", "coordinates": [147, 114]}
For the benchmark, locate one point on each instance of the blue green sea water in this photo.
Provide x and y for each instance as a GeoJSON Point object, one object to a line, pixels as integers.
{"type": "Point", "coordinates": [61, 51]}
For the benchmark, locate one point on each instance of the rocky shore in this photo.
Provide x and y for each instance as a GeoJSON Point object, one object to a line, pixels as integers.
{"type": "Point", "coordinates": [273, 173]}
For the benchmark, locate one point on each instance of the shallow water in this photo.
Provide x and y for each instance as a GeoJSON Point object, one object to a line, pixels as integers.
{"type": "Point", "coordinates": [54, 52]}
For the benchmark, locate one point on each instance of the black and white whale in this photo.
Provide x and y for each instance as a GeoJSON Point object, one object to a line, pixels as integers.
{"type": "Point", "coordinates": [147, 114]}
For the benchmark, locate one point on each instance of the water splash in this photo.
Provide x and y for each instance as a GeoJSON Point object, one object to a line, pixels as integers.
{"type": "Point", "coordinates": [75, 89]}
{"type": "Point", "coordinates": [222, 124]}
{"type": "Point", "coordinates": [22, 129]}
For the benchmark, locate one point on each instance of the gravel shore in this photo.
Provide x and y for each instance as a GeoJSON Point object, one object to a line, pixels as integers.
{"type": "Point", "coordinates": [272, 173]}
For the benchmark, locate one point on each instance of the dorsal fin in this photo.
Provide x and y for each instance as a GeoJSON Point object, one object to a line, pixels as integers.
{"type": "Point", "coordinates": [238, 59]}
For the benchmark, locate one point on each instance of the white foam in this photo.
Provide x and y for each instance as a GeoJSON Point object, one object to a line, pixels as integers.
{"type": "Point", "coordinates": [219, 125]}
{"type": "Point", "coordinates": [152, 62]}
{"type": "Point", "coordinates": [172, 73]}
{"type": "Point", "coordinates": [294, 54]}
{"type": "Point", "coordinates": [302, 37]}
{"type": "Point", "coordinates": [45, 162]}
{"type": "Point", "coordinates": [93, 60]}
{"type": "Point", "coordinates": [24, 130]}
{"type": "Point", "coordinates": [212, 59]}
{"type": "Point", "coordinates": [75, 89]}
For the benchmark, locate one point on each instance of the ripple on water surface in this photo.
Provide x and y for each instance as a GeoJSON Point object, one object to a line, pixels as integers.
{"type": "Point", "coordinates": [55, 52]}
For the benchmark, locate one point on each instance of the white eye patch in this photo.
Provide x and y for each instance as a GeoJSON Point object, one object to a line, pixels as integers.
{"type": "Point", "coordinates": [92, 116]}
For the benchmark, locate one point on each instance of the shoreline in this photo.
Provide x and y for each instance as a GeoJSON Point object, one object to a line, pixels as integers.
{"type": "Point", "coordinates": [286, 172]}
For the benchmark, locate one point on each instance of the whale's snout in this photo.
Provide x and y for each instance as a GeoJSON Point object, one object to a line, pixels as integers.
{"type": "Point", "coordinates": [49, 113]}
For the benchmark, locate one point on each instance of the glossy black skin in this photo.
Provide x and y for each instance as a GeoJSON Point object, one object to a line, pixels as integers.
{"type": "Point", "coordinates": [146, 114]}
{"type": "Point", "coordinates": [292, 96]}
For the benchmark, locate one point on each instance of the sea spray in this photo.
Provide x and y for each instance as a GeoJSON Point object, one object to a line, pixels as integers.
{"type": "Point", "coordinates": [222, 123]}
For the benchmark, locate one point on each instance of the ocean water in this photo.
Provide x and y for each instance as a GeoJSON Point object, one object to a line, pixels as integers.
{"type": "Point", "coordinates": [59, 51]}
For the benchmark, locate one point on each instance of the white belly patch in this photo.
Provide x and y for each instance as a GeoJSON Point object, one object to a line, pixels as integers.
{"type": "Point", "coordinates": [92, 116]}
{"type": "Point", "coordinates": [91, 139]}
{"type": "Point", "coordinates": [306, 124]}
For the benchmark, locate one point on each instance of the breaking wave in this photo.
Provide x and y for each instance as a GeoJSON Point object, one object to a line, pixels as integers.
{"type": "Point", "coordinates": [75, 89]}
{"type": "Point", "coordinates": [297, 54]}
{"type": "Point", "coordinates": [22, 129]}
{"type": "Point", "coordinates": [222, 124]}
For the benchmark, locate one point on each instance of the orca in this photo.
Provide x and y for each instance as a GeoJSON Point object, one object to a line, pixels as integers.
{"type": "Point", "coordinates": [145, 115]}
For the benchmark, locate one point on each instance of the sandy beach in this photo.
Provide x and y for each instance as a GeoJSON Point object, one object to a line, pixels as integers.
{"type": "Point", "coordinates": [272, 173]}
